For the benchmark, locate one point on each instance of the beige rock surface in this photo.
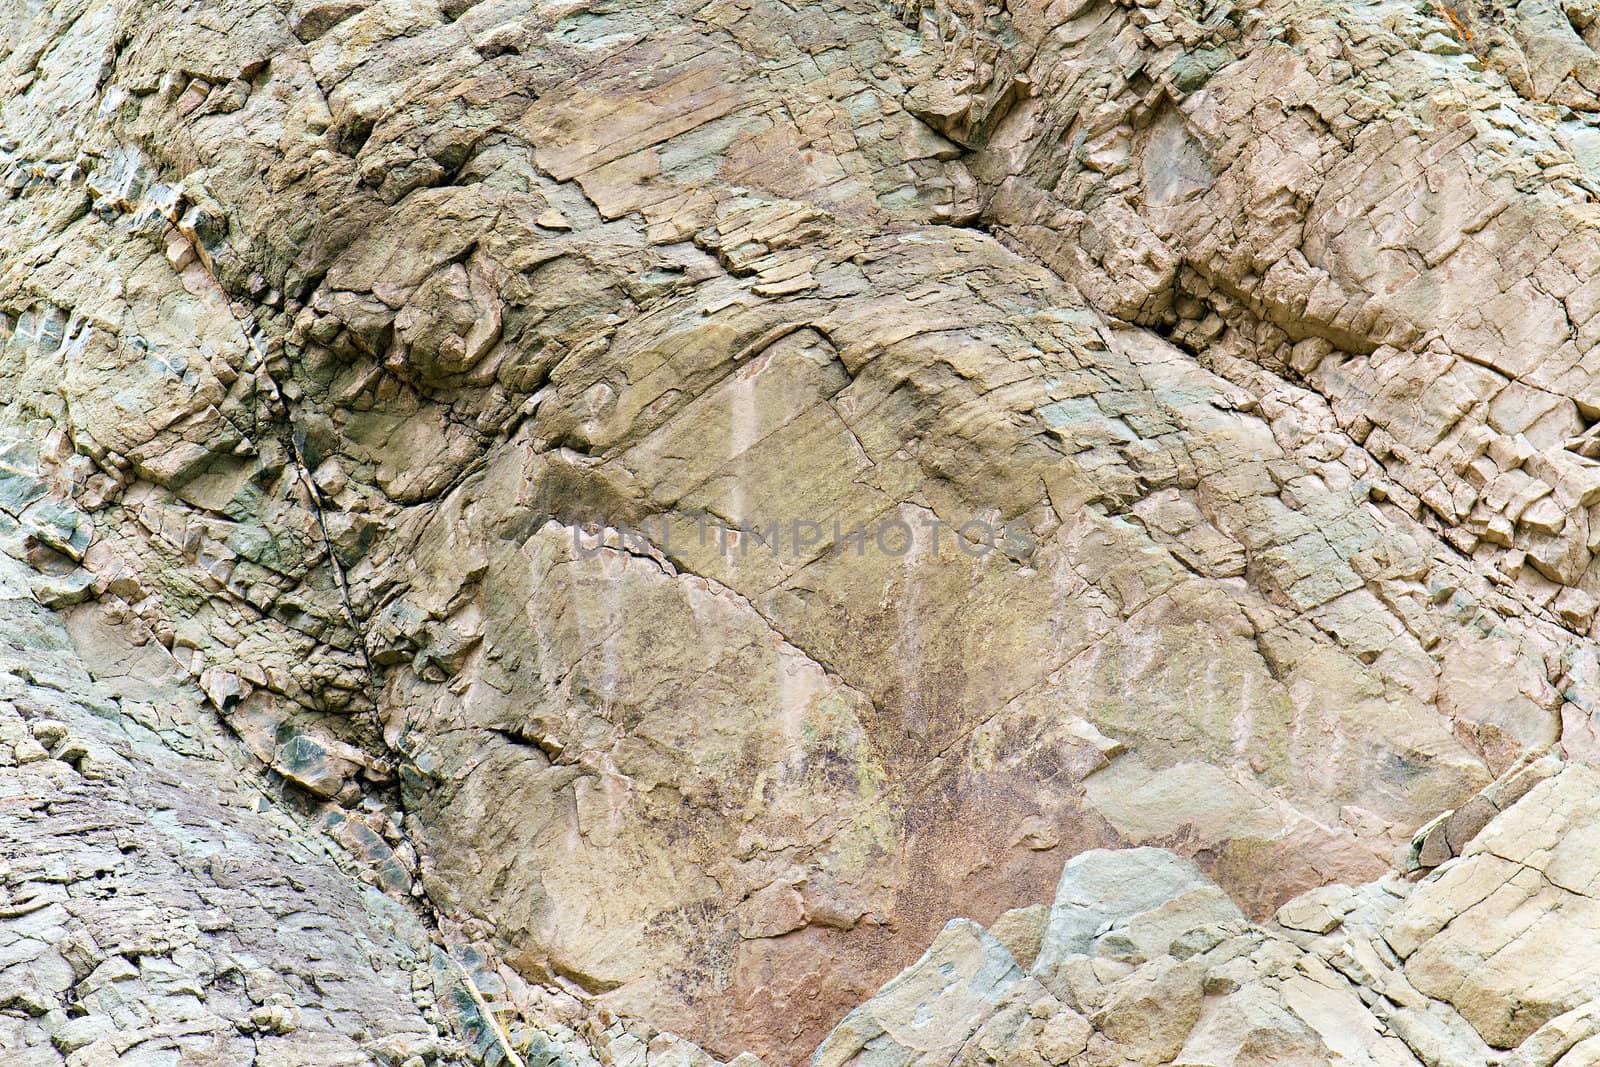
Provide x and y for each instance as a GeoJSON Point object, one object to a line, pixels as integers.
{"type": "Point", "coordinates": [697, 498]}
{"type": "Point", "coordinates": [1145, 961]}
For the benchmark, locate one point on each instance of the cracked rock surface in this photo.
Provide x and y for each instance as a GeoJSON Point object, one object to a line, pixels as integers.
{"type": "Point", "coordinates": [548, 532]}
{"type": "Point", "coordinates": [157, 910]}
{"type": "Point", "coordinates": [1141, 959]}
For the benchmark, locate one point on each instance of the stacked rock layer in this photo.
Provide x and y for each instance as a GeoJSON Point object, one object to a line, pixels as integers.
{"type": "Point", "coordinates": [538, 531]}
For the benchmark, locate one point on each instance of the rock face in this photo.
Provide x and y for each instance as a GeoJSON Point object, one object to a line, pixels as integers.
{"type": "Point", "coordinates": [1143, 960]}
{"type": "Point", "coordinates": [692, 504]}
{"type": "Point", "coordinates": [154, 909]}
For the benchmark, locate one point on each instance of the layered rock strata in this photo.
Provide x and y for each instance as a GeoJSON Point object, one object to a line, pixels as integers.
{"type": "Point", "coordinates": [693, 498]}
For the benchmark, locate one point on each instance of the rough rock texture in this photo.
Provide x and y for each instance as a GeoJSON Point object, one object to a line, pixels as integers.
{"type": "Point", "coordinates": [685, 500]}
{"type": "Point", "coordinates": [1143, 960]}
{"type": "Point", "coordinates": [157, 910]}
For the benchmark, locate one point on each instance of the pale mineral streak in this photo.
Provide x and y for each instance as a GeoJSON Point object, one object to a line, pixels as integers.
{"type": "Point", "coordinates": [373, 694]}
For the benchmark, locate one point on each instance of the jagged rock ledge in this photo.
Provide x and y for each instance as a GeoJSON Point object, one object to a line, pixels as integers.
{"type": "Point", "coordinates": [1143, 960]}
